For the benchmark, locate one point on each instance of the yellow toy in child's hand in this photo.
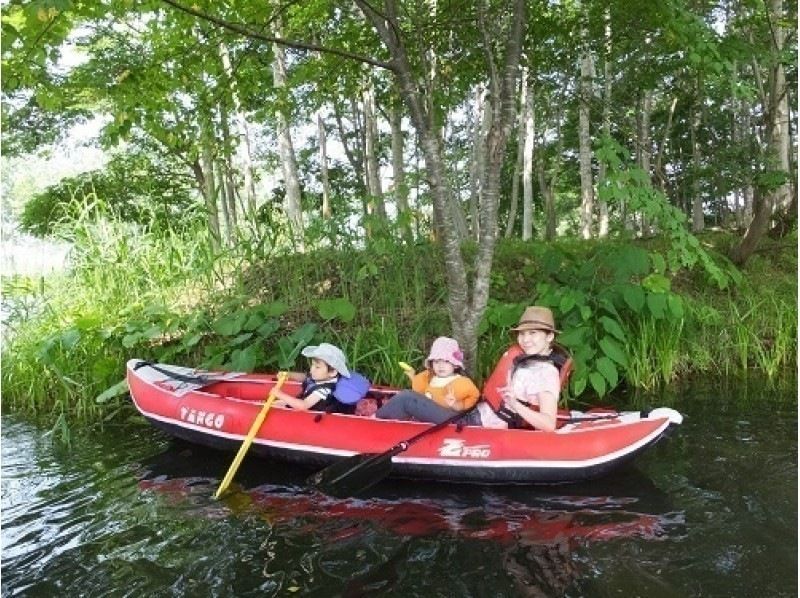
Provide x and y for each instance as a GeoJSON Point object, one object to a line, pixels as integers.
{"type": "Point", "coordinates": [405, 366]}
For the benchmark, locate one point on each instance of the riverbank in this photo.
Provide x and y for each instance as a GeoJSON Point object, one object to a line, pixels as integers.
{"type": "Point", "coordinates": [163, 299]}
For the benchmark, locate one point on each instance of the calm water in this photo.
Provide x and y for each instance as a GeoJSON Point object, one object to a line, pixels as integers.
{"type": "Point", "coordinates": [711, 511]}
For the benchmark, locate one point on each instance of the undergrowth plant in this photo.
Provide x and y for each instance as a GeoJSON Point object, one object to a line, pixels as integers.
{"type": "Point", "coordinates": [250, 306]}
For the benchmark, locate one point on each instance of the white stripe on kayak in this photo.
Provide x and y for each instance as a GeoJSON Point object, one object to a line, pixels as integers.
{"type": "Point", "coordinates": [486, 464]}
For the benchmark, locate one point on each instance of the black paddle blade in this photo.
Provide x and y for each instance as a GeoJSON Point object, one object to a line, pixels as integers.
{"type": "Point", "coordinates": [352, 475]}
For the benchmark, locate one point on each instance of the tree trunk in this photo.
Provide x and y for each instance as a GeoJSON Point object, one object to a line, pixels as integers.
{"type": "Point", "coordinates": [585, 144]}
{"type": "Point", "coordinates": [399, 184]}
{"type": "Point", "coordinates": [465, 308]}
{"type": "Point", "coordinates": [323, 166]}
{"type": "Point", "coordinates": [223, 203]}
{"type": "Point", "coordinates": [226, 179]}
{"type": "Point", "coordinates": [371, 149]}
{"type": "Point", "coordinates": [354, 155]}
{"type": "Point", "coordinates": [480, 125]}
{"type": "Point", "coordinates": [527, 160]}
{"type": "Point", "coordinates": [698, 218]}
{"type": "Point", "coordinates": [244, 155]}
{"type": "Point", "coordinates": [209, 189]}
{"type": "Point", "coordinates": [602, 207]}
{"type": "Point", "coordinates": [548, 197]}
{"type": "Point", "coordinates": [291, 179]}
{"type": "Point", "coordinates": [776, 114]}
{"type": "Point", "coordinates": [518, 163]}
{"type": "Point", "coordinates": [645, 149]}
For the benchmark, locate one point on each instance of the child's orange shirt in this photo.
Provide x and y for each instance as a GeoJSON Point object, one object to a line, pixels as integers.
{"type": "Point", "coordinates": [437, 389]}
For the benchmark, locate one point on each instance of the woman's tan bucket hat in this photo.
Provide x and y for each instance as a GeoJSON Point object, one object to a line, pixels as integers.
{"type": "Point", "coordinates": [536, 318]}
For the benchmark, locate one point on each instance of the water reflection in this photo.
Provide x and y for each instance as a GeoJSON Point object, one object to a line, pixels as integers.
{"type": "Point", "coordinates": [533, 532]}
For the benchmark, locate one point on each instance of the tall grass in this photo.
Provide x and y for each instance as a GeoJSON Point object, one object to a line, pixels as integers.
{"type": "Point", "coordinates": [654, 353]}
{"type": "Point", "coordinates": [172, 296]}
{"type": "Point", "coordinates": [748, 334]}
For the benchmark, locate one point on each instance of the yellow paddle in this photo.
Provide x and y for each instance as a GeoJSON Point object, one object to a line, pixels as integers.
{"type": "Point", "coordinates": [250, 435]}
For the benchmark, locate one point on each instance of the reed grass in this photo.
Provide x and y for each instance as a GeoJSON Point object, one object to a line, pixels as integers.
{"type": "Point", "coordinates": [654, 353]}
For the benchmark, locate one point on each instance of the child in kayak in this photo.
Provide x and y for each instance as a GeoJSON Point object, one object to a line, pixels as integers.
{"type": "Point", "coordinates": [530, 396]}
{"type": "Point", "coordinates": [328, 365]}
{"type": "Point", "coordinates": [439, 392]}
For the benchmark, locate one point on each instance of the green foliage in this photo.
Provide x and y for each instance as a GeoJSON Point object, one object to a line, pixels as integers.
{"type": "Point", "coordinates": [631, 186]}
{"type": "Point", "coordinates": [601, 297]}
{"type": "Point", "coordinates": [132, 187]}
{"type": "Point", "coordinates": [134, 293]}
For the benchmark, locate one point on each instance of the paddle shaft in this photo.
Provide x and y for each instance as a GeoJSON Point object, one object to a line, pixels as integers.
{"type": "Point", "coordinates": [328, 478]}
{"type": "Point", "coordinates": [250, 436]}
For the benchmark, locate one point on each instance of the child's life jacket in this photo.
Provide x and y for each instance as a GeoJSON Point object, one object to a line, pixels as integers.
{"type": "Point", "coordinates": [341, 396]}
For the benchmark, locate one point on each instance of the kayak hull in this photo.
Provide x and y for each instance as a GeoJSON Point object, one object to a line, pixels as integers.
{"type": "Point", "coordinates": [218, 411]}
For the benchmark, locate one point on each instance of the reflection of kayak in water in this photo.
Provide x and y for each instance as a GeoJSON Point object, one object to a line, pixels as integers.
{"type": "Point", "coordinates": [478, 514]}
{"type": "Point", "coordinates": [217, 410]}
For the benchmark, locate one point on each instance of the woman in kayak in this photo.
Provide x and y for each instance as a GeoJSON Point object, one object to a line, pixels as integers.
{"type": "Point", "coordinates": [532, 384]}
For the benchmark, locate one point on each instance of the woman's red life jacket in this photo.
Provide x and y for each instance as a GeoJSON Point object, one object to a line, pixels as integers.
{"type": "Point", "coordinates": [499, 377]}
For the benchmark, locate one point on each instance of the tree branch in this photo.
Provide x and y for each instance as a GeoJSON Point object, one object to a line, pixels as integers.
{"type": "Point", "coordinates": [247, 32]}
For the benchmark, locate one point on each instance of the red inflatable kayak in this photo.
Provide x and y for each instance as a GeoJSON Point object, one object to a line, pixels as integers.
{"type": "Point", "coordinates": [216, 409]}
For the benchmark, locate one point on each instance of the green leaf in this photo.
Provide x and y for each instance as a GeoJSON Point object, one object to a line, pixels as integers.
{"type": "Point", "coordinates": [268, 328]}
{"type": "Point", "coordinates": [229, 325]}
{"type": "Point", "coordinates": [131, 340]}
{"type": "Point", "coordinates": [341, 308]}
{"type": "Point", "coordinates": [613, 350]}
{"type": "Point", "coordinates": [244, 360]}
{"type": "Point", "coordinates": [70, 338]}
{"type": "Point", "coordinates": [598, 383]}
{"type": "Point", "coordinates": [656, 283]}
{"type": "Point", "coordinates": [634, 297]}
{"type": "Point", "coordinates": [567, 303]}
{"type": "Point", "coordinates": [675, 304]}
{"type": "Point", "coordinates": [241, 339]}
{"type": "Point", "coordinates": [613, 328]}
{"type": "Point", "coordinates": [657, 303]}
{"type": "Point", "coordinates": [575, 336]}
{"type": "Point", "coordinates": [578, 385]}
{"type": "Point", "coordinates": [275, 309]}
{"type": "Point", "coordinates": [191, 341]}
{"type": "Point", "coordinates": [116, 390]}
{"type": "Point", "coordinates": [505, 315]}
{"type": "Point", "coordinates": [606, 367]}
{"type": "Point", "coordinates": [658, 262]}
{"type": "Point", "coordinates": [254, 320]}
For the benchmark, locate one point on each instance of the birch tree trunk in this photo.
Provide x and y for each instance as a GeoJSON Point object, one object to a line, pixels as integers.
{"type": "Point", "coordinates": [244, 155]}
{"type": "Point", "coordinates": [585, 144]}
{"type": "Point", "coordinates": [323, 166]}
{"type": "Point", "coordinates": [291, 179]}
{"type": "Point", "coordinates": [372, 161]}
{"type": "Point", "coordinates": [602, 207]}
{"type": "Point", "coordinates": [527, 160]}
{"type": "Point", "coordinates": [645, 147]}
{"type": "Point", "coordinates": [399, 185]}
{"type": "Point", "coordinates": [209, 189]}
{"type": "Point", "coordinates": [518, 163]}
{"type": "Point", "coordinates": [480, 124]}
{"type": "Point", "coordinates": [698, 219]}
